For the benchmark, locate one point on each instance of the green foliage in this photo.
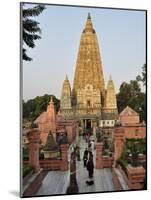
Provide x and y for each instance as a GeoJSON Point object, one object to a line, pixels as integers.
{"type": "Point", "coordinates": [34, 107]}
{"type": "Point", "coordinates": [106, 143]}
{"type": "Point", "coordinates": [123, 164]}
{"type": "Point", "coordinates": [130, 94]}
{"type": "Point", "coordinates": [25, 153]}
{"type": "Point", "coordinates": [27, 169]}
{"type": "Point", "coordinates": [143, 77]}
{"type": "Point", "coordinates": [30, 28]}
{"type": "Point", "coordinates": [136, 145]}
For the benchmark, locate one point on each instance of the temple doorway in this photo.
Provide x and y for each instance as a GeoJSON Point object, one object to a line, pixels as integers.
{"type": "Point", "coordinates": [88, 124]}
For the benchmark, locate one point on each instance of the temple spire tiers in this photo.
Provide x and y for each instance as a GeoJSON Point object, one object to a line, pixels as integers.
{"type": "Point", "coordinates": [89, 25]}
{"type": "Point", "coordinates": [111, 95]}
{"type": "Point", "coordinates": [87, 103]}
{"type": "Point", "coordinates": [65, 105]}
{"type": "Point", "coordinates": [89, 16]}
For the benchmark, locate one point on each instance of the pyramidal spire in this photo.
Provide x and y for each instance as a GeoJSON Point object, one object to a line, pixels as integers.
{"type": "Point", "coordinates": [89, 25]}
{"type": "Point", "coordinates": [89, 68]}
{"type": "Point", "coordinates": [111, 95]}
{"type": "Point", "coordinates": [66, 95]}
{"type": "Point", "coordinates": [110, 83]}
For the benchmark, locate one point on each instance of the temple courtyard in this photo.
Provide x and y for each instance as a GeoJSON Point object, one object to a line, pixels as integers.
{"type": "Point", "coordinates": [56, 182]}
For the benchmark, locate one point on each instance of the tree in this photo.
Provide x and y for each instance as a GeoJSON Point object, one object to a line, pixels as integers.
{"type": "Point", "coordinates": [34, 107]}
{"type": "Point", "coordinates": [130, 95]}
{"type": "Point", "coordinates": [30, 28]}
{"type": "Point", "coordinates": [143, 77]}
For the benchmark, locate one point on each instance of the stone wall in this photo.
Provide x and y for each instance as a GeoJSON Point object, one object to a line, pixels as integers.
{"type": "Point", "coordinates": [48, 164]}
{"type": "Point", "coordinates": [118, 142]}
{"type": "Point", "coordinates": [107, 162]}
{"type": "Point", "coordinates": [55, 164]}
{"type": "Point", "coordinates": [134, 177]}
{"type": "Point", "coordinates": [132, 119]}
{"type": "Point", "coordinates": [135, 131]}
{"type": "Point", "coordinates": [102, 161]}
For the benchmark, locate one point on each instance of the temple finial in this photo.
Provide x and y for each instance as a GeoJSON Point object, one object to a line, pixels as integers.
{"type": "Point", "coordinates": [66, 77]}
{"type": "Point", "coordinates": [89, 16]}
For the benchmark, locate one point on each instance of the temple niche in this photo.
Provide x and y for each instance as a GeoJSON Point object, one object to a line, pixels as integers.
{"type": "Point", "coordinates": [89, 102]}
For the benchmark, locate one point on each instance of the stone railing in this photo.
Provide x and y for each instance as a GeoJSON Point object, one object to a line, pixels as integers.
{"type": "Point", "coordinates": [116, 181]}
{"type": "Point", "coordinates": [32, 184]}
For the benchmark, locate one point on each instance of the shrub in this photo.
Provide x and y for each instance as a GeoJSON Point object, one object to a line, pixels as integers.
{"type": "Point", "coordinates": [27, 169]}
{"type": "Point", "coordinates": [25, 153]}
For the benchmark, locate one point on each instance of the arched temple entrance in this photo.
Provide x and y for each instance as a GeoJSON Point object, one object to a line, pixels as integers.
{"type": "Point", "coordinates": [88, 124]}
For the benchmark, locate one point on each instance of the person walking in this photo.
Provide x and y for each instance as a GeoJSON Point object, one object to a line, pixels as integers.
{"type": "Point", "coordinates": [85, 157]}
{"type": "Point", "coordinates": [89, 145]}
{"type": "Point", "coordinates": [90, 166]}
{"type": "Point", "coordinates": [92, 145]}
{"type": "Point", "coordinates": [78, 153]}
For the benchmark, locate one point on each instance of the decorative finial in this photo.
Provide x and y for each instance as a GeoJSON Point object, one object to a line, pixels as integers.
{"type": "Point", "coordinates": [66, 77]}
{"type": "Point", "coordinates": [89, 16]}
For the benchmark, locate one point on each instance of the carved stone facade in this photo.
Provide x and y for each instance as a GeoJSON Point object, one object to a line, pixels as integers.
{"type": "Point", "coordinates": [89, 101]}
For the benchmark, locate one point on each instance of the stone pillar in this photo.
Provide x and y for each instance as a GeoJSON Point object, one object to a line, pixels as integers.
{"type": "Point", "coordinates": [64, 157]}
{"type": "Point", "coordinates": [34, 140]}
{"type": "Point", "coordinates": [99, 158]}
{"type": "Point", "coordinates": [118, 142]}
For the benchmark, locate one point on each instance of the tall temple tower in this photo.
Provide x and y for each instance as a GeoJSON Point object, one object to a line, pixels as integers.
{"type": "Point", "coordinates": [88, 101]}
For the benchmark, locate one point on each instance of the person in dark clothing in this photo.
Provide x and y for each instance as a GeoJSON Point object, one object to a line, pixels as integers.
{"type": "Point", "coordinates": [90, 154]}
{"type": "Point", "coordinates": [78, 153]}
{"type": "Point", "coordinates": [89, 145]}
{"type": "Point", "coordinates": [85, 157]}
{"type": "Point", "coordinates": [90, 166]}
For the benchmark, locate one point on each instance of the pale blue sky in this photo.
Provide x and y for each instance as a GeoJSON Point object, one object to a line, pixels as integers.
{"type": "Point", "coordinates": [121, 35]}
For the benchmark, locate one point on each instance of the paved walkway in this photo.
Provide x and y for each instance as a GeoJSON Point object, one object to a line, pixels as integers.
{"type": "Point", "coordinates": [102, 177]}
{"type": "Point", "coordinates": [56, 182]}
